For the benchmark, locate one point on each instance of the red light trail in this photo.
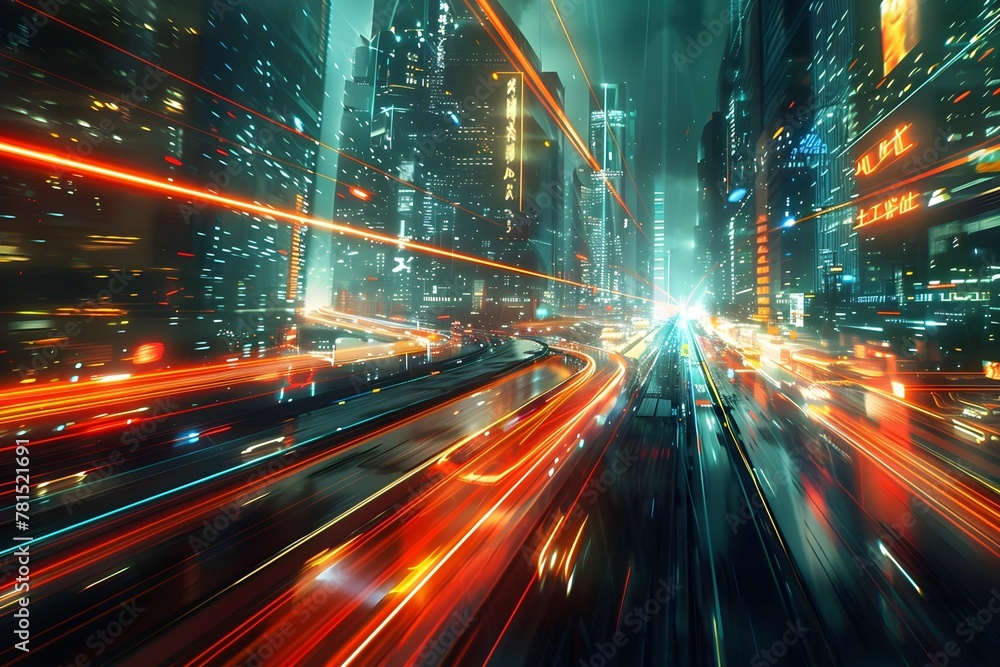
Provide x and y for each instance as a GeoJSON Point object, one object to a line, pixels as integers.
{"type": "Point", "coordinates": [897, 186]}
{"type": "Point", "coordinates": [535, 82]}
{"type": "Point", "coordinates": [593, 94]}
{"type": "Point", "coordinates": [517, 57]}
{"type": "Point", "coordinates": [428, 559]}
{"type": "Point", "coordinates": [264, 117]}
{"type": "Point", "coordinates": [137, 180]}
{"type": "Point", "coordinates": [172, 120]}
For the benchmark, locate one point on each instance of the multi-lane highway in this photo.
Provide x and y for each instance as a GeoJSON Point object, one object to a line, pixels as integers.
{"type": "Point", "coordinates": [662, 576]}
{"type": "Point", "coordinates": [729, 527]}
{"type": "Point", "coordinates": [510, 502]}
{"type": "Point", "coordinates": [435, 475]}
{"type": "Point", "coordinates": [891, 519]}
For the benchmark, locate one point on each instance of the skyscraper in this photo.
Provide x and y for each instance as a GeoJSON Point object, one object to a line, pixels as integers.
{"type": "Point", "coordinates": [198, 280]}
{"type": "Point", "coordinates": [712, 267]}
{"type": "Point", "coordinates": [435, 103]}
{"type": "Point", "coordinates": [739, 98]}
{"type": "Point", "coordinates": [923, 152]}
{"type": "Point", "coordinates": [833, 124]}
{"type": "Point", "coordinates": [608, 226]}
{"type": "Point", "coordinates": [661, 260]}
{"type": "Point", "coordinates": [382, 165]}
{"type": "Point", "coordinates": [786, 152]}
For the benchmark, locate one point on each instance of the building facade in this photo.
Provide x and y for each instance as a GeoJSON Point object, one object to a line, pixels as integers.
{"type": "Point", "coordinates": [232, 106]}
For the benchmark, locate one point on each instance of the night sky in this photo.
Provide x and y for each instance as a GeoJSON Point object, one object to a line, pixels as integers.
{"type": "Point", "coordinates": [636, 41]}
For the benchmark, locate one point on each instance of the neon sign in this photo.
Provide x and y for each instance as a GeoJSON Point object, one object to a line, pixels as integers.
{"type": "Point", "coordinates": [887, 210]}
{"type": "Point", "coordinates": [511, 176]}
{"type": "Point", "coordinates": [763, 272]}
{"type": "Point", "coordinates": [887, 150]}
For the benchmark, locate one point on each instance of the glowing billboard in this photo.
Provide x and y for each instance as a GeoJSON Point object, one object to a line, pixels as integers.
{"type": "Point", "coordinates": [887, 209]}
{"type": "Point", "coordinates": [900, 31]}
{"type": "Point", "coordinates": [513, 165]}
{"type": "Point", "coordinates": [893, 146]}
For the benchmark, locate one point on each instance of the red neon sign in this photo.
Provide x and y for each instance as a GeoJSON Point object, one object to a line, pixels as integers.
{"type": "Point", "coordinates": [886, 151]}
{"type": "Point", "coordinates": [888, 209]}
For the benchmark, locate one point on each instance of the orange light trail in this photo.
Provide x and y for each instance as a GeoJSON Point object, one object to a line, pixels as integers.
{"type": "Point", "coordinates": [134, 535]}
{"type": "Point", "coordinates": [593, 94]}
{"type": "Point", "coordinates": [357, 549]}
{"type": "Point", "coordinates": [536, 576]}
{"type": "Point", "coordinates": [141, 181]}
{"type": "Point", "coordinates": [541, 453]}
{"type": "Point", "coordinates": [49, 400]}
{"type": "Point", "coordinates": [363, 621]}
{"type": "Point", "coordinates": [159, 68]}
{"type": "Point", "coordinates": [537, 85]}
{"type": "Point", "coordinates": [541, 90]}
{"type": "Point", "coordinates": [517, 57]}
{"type": "Point", "coordinates": [963, 503]}
{"type": "Point", "coordinates": [171, 120]}
{"type": "Point", "coordinates": [898, 186]}
{"type": "Point", "coordinates": [262, 116]}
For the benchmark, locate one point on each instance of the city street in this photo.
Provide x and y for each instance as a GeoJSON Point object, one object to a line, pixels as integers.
{"type": "Point", "coordinates": [543, 333]}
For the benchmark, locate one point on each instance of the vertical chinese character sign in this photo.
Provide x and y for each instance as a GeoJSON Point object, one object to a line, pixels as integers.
{"type": "Point", "coordinates": [512, 186]}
